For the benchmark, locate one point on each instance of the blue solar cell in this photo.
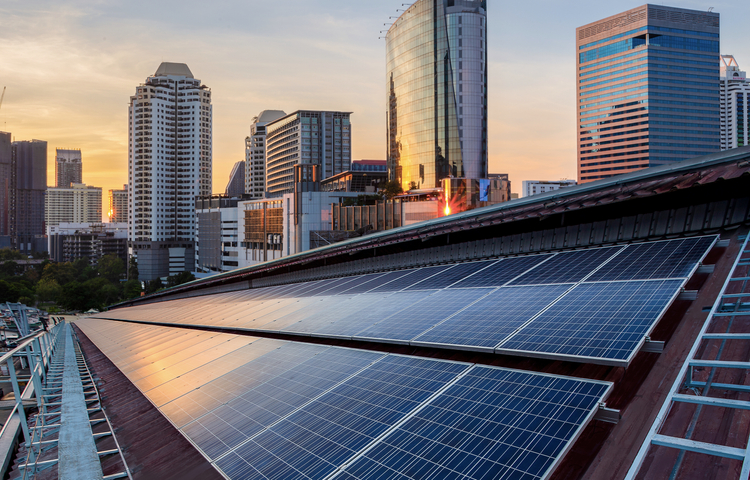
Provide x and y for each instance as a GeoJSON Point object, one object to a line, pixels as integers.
{"type": "Point", "coordinates": [409, 323]}
{"type": "Point", "coordinates": [492, 423]}
{"type": "Point", "coordinates": [451, 275]}
{"type": "Point", "coordinates": [567, 267]}
{"type": "Point", "coordinates": [501, 272]}
{"type": "Point", "coordinates": [599, 320]}
{"type": "Point", "coordinates": [321, 318]}
{"type": "Point", "coordinates": [410, 279]}
{"type": "Point", "coordinates": [280, 394]}
{"type": "Point", "coordinates": [654, 260]}
{"type": "Point", "coordinates": [315, 440]}
{"type": "Point", "coordinates": [495, 317]}
{"type": "Point", "coordinates": [372, 312]}
{"type": "Point", "coordinates": [379, 280]}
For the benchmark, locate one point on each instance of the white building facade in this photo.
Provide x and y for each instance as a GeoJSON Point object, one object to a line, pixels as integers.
{"type": "Point", "coordinates": [534, 187]}
{"type": "Point", "coordinates": [77, 203]}
{"type": "Point", "coordinates": [735, 94]}
{"type": "Point", "coordinates": [170, 163]}
{"type": "Point", "coordinates": [255, 153]}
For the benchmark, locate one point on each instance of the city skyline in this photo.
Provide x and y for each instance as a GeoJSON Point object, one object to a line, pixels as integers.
{"type": "Point", "coordinates": [70, 69]}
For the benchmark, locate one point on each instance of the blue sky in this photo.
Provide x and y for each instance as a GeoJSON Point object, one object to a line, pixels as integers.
{"type": "Point", "coordinates": [71, 66]}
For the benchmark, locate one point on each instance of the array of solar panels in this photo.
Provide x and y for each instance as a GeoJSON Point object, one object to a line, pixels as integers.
{"type": "Point", "coordinates": [595, 305]}
{"type": "Point", "coordinates": [271, 409]}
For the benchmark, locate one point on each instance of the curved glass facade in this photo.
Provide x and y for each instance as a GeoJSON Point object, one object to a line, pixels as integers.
{"type": "Point", "coordinates": [436, 84]}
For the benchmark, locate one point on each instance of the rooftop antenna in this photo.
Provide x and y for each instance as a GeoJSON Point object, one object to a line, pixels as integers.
{"type": "Point", "coordinates": [710, 9]}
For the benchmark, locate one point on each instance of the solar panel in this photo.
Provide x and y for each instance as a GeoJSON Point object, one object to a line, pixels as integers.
{"type": "Point", "coordinates": [412, 278]}
{"type": "Point", "coordinates": [361, 319]}
{"type": "Point", "coordinates": [451, 275]}
{"type": "Point", "coordinates": [597, 321]}
{"type": "Point", "coordinates": [491, 424]}
{"type": "Point", "coordinates": [280, 394]}
{"type": "Point", "coordinates": [666, 259]}
{"type": "Point", "coordinates": [493, 318]}
{"type": "Point", "coordinates": [412, 321]}
{"type": "Point", "coordinates": [501, 272]}
{"type": "Point", "coordinates": [290, 410]}
{"type": "Point", "coordinates": [568, 267]}
{"type": "Point", "coordinates": [316, 439]}
{"type": "Point", "coordinates": [381, 279]}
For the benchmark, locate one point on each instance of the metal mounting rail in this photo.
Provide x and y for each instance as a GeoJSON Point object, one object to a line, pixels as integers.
{"type": "Point", "coordinates": [726, 305]}
{"type": "Point", "coordinates": [62, 433]}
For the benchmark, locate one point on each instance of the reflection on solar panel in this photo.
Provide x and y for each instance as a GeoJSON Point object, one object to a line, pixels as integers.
{"type": "Point", "coordinates": [414, 320]}
{"type": "Point", "coordinates": [597, 320]}
{"type": "Point", "coordinates": [476, 430]}
{"type": "Point", "coordinates": [492, 319]}
{"type": "Point", "coordinates": [450, 276]}
{"type": "Point", "coordinates": [502, 272]}
{"type": "Point", "coordinates": [568, 267]}
{"type": "Point", "coordinates": [442, 306]}
{"type": "Point", "coordinates": [288, 410]}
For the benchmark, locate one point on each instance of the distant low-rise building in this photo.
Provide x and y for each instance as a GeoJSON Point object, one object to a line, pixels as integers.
{"type": "Point", "coordinates": [365, 176]}
{"type": "Point", "coordinates": [534, 187]}
{"type": "Point", "coordinates": [78, 203]}
{"type": "Point", "coordinates": [70, 241]}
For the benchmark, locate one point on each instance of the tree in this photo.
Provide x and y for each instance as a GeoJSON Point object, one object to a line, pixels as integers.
{"type": "Point", "coordinates": [10, 254]}
{"type": "Point", "coordinates": [179, 279]}
{"type": "Point", "coordinates": [133, 269]}
{"type": "Point", "coordinates": [391, 189]}
{"type": "Point", "coordinates": [111, 267]}
{"type": "Point", "coordinates": [153, 286]}
{"type": "Point", "coordinates": [28, 301]}
{"type": "Point", "coordinates": [74, 296]}
{"type": "Point", "coordinates": [48, 290]}
{"type": "Point", "coordinates": [412, 185]}
{"type": "Point", "coordinates": [62, 273]}
{"type": "Point", "coordinates": [131, 288]}
{"type": "Point", "coordinates": [9, 268]}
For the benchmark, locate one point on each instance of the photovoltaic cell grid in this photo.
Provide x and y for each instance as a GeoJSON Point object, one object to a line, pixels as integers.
{"type": "Point", "coordinates": [442, 306]}
{"type": "Point", "coordinates": [306, 411]}
{"type": "Point", "coordinates": [476, 430]}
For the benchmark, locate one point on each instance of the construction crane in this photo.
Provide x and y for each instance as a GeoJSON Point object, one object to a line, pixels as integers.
{"type": "Point", "coordinates": [1, 97]}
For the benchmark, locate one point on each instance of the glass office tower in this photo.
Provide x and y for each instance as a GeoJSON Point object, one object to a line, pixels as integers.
{"type": "Point", "coordinates": [648, 90]}
{"type": "Point", "coordinates": [436, 84]}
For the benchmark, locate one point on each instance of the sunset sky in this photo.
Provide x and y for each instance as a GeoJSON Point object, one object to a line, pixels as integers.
{"type": "Point", "coordinates": [71, 66]}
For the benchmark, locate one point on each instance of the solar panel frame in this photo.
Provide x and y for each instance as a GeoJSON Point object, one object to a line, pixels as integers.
{"type": "Point", "coordinates": [564, 273]}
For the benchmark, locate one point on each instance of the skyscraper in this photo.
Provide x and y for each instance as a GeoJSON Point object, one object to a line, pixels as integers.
{"type": "Point", "coordinates": [6, 161]}
{"type": "Point", "coordinates": [255, 153]}
{"type": "Point", "coordinates": [28, 184]}
{"type": "Point", "coordinates": [236, 184]}
{"type": "Point", "coordinates": [735, 94]}
{"type": "Point", "coordinates": [648, 90]}
{"type": "Point", "coordinates": [77, 203]}
{"type": "Point", "coordinates": [306, 137]}
{"type": "Point", "coordinates": [436, 84]}
{"type": "Point", "coordinates": [169, 165]}
{"type": "Point", "coordinates": [68, 167]}
{"type": "Point", "coordinates": [118, 205]}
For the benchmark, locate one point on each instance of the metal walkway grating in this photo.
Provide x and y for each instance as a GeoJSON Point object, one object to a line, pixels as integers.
{"type": "Point", "coordinates": [714, 378]}
{"type": "Point", "coordinates": [70, 429]}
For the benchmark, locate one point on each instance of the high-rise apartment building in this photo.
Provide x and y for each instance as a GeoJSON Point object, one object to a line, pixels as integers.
{"type": "Point", "coordinates": [77, 203]}
{"type": "Point", "coordinates": [436, 92]}
{"type": "Point", "coordinates": [28, 184]}
{"type": "Point", "coordinates": [306, 137]}
{"type": "Point", "coordinates": [236, 183]}
{"type": "Point", "coordinates": [170, 149]}
{"type": "Point", "coordinates": [6, 161]}
{"type": "Point", "coordinates": [255, 153]}
{"type": "Point", "coordinates": [648, 90]}
{"type": "Point", "coordinates": [118, 205]}
{"type": "Point", "coordinates": [68, 167]}
{"type": "Point", "coordinates": [735, 95]}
